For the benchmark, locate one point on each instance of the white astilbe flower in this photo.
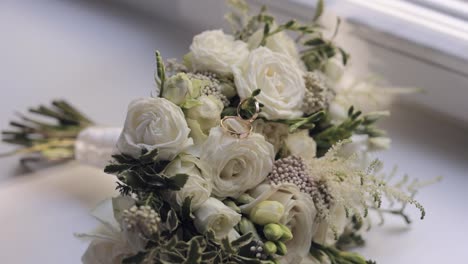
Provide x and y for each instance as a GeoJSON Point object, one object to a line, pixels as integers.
{"type": "Point", "coordinates": [354, 191]}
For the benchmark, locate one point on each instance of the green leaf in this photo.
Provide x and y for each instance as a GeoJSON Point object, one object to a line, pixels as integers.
{"type": "Point", "coordinates": [124, 159]}
{"type": "Point", "coordinates": [314, 42]}
{"type": "Point", "coordinates": [177, 182]}
{"type": "Point", "coordinates": [290, 24]}
{"type": "Point", "coordinates": [116, 168]}
{"type": "Point", "coordinates": [226, 245]}
{"type": "Point", "coordinates": [242, 241]}
{"type": "Point", "coordinates": [194, 254]}
{"type": "Point", "coordinates": [345, 56]}
{"type": "Point", "coordinates": [256, 92]}
{"type": "Point", "coordinates": [135, 259]}
{"type": "Point", "coordinates": [304, 122]}
{"type": "Point", "coordinates": [186, 210]}
{"type": "Point", "coordinates": [209, 256]}
{"type": "Point", "coordinates": [210, 235]}
{"type": "Point", "coordinates": [245, 260]}
{"type": "Point", "coordinates": [318, 10]}
{"type": "Point", "coordinates": [172, 221]}
{"type": "Point", "coordinates": [149, 156]}
{"type": "Point", "coordinates": [174, 257]}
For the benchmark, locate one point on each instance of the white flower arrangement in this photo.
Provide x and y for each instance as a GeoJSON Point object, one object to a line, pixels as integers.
{"type": "Point", "coordinates": [254, 150]}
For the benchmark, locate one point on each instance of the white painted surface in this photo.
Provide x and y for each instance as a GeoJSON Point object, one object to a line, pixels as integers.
{"type": "Point", "coordinates": [100, 56]}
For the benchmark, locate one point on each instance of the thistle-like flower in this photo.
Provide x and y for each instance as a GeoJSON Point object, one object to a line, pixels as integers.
{"type": "Point", "coordinates": [291, 169]}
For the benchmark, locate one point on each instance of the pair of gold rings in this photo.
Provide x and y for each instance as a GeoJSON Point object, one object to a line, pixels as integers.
{"type": "Point", "coordinates": [241, 128]}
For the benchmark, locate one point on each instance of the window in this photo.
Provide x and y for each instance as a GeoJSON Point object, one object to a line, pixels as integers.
{"type": "Point", "coordinates": [455, 8]}
{"type": "Point", "coordinates": [438, 24]}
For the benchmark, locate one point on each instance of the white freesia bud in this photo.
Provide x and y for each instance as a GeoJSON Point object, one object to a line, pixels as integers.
{"type": "Point", "coordinates": [334, 69]}
{"type": "Point", "coordinates": [179, 88]}
{"type": "Point", "coordinates": [197, 185]}
{"type": "Point", "coordinates": [217, 52]}
{"type": "Point", "coordinates": [267, 212]}
{"type": "Point", "coordinates": [301, 144]}
{"type": "Point", "coordinates": [154, 123]}
{"type": "Point", "coordinates": [238, 164]}
{"type": "Point", "coordinates": [299, 215]}
{"type": "Point", "coordinates": [280, 80]}
{"type": "Point", "coordinates": [215, 215]}
{"type": "Point", "coordinates": [201, 118]}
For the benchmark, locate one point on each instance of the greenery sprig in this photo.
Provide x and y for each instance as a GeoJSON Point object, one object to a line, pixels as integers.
{"type": "Point", "coordinates": [47, 141]}
{"type": "Point", "coordinates": [200, 249]}
{"type": "Point", "coordinates": [144, 174]}
{"type": "Point", "coordinates": [316, 48]}
{"type": "Point", "coordinates": [308, 122]}
{"type": "Point", "coordinates": [337, 256]}
{"type": "Point", "coordinates": [327, 135]}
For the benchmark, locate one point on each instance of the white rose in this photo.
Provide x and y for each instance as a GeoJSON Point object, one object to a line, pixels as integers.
{"type": "Point", "coordinates": [179, 88]}
{"type": "Point", "coordinates": [280, 80]}
{"type": "Point", "coordinates": [279, 42]}
{"type": "Point", "coordinates": [301, 144]}
{"type": "Point", "coordinates": [154, 123]}
{"type": "Point", "coordinates": [237, 164]}
{"type": "Point", "coordinates": [217, 52]}
{"type": "Point", "coordinates": [203, 117]}
{"type": "Point", "coordinates": [197, 185]}
{"type": "Point", "coordinates": [299, 215]}
{"type": "Point", "coordinates": [215, 215]}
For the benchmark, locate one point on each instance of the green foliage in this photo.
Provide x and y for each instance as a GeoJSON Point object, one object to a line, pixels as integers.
{"type": "Point", "coordinates": [143, 174]}
{"type": "Point", "coordinates": [316, 50]}
{"type": "Point", "coordinates": [327, 135]}
{"type": "Point", "coordinates": [318, 10]}
{"type": "Point", "coordinates": [52, 141]}
{"type": "Point", "coordinates": [308, 122]}
{"type": "Point", "coordinates": [200, 249]}
{"type": "Point", "coordinates": [336, 256]}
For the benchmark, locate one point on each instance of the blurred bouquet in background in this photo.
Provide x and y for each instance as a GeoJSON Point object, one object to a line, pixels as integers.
{"type": "Point", "coordinates": [255, 148]}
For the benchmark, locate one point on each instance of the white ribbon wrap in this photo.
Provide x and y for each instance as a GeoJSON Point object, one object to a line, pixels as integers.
{"type": "Point", "coordinates": [95, 145]}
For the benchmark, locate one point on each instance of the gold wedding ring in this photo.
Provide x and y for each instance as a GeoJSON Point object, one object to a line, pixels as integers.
{"type": "Point", "coordinates": [244, 126]}
{"type": "Point", "coordinates": [238, 133]}
{"type": "Point", "coordinates": [255, 115]}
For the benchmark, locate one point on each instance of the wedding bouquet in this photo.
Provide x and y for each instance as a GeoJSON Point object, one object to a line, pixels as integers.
{"type": "Point", "coordinates": [253, 149]}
